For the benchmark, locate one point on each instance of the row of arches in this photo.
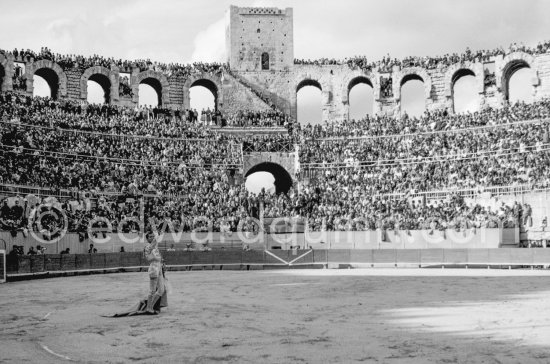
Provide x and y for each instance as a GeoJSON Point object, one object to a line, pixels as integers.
{"type": "Point", "coordinates": [465, 89]}
{"type": "Point", "coordinates": [101, 85]}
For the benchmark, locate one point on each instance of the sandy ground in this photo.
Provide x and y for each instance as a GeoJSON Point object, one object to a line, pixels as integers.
{"type": "Point", "coordinates": [286, 316]}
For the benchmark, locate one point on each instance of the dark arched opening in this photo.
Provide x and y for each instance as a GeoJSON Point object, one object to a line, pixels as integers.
{"type": "Point", "coordinates": [265, 61]}
{"type": "Point", "coordinates": [308, 82]}
{"type": "Point", "coordinates": [411, 77]}
{"type": "Point", "coordinates": [210, 86]}
{"type": "Point", "coordinates": [358, 80]}
{"type": "Point", "coordinates": [51, 78]}
{"type": "Point", "coordinates": [360, 97]}
{"type": "Point", "coordinates": [283, 180]}
{"type": "Point", "coordinates": [463, 88]}
{"type": "Point", "coordinates": [525, 88]}
{"type": "Point", "coordinates": [105, 84]}
{"type": "Point", "coordinates": [156, 86]}
{"type": "Point", "coordinates": [2, 76]}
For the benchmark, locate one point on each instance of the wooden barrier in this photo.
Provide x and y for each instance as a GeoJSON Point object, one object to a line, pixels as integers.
{"type": "Point", "coordinates": [431, 257]}
{"type": "Point", "coordinates": [504, 257]}
{"type": "Point", "coordinates": [455, 256]}
{"type": "Point", "coordinates": [407, 257]}
{"type": "Point", "coordinates": [384, 257]}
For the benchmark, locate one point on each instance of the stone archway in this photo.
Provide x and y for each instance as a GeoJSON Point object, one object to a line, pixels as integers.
{"type": "Point", "coordinates": [456, 72]}
{"type": "Point", "coordinates": [283, 180]}
{"type": "Point", "coordinates": [51, 72]}
{"type": "Point", "coordinates": [357, 79]}
{"type": "Point", "coordinates": [213, 84]}
{"type": "Point", "coordinates": [510, 65]}
{"type": "Point", "coordinates": [158, 81]}
{"type": "Point", "coordinates": [308, 82]}
{"type": "Point", "coordinates": [311, 79]}
{"type": "Point", "coordinates": [412, 73]}
{"type": "Point", "coordinates": [107, 79]}
{"type": "Point", "coordinates": [354, 80]}
{"type": "Point", "coordinates": [459, 70]}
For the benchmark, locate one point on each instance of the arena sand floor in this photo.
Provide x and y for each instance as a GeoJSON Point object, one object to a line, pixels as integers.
{"type": "Point", "coordinates": [284, 316]}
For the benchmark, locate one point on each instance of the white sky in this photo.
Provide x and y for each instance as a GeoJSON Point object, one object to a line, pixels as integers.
{"type": "Point", "coordinates": [183, 31]}
{"type": "Point", "coordinates": [186, 31]}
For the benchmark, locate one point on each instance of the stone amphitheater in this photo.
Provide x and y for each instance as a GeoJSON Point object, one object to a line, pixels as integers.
{"type": "Point", "coordinates": [254, 33]}
{"type": "Point", "coordinates": [262, 74]}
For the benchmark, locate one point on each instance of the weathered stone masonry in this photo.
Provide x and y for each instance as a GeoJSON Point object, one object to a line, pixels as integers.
{"type": "Point", "coordinates": [252, 35]}
{"type": "Point", "coordinates": [260, 52]}
{"type": "Point", "coordinates": [174, 91]}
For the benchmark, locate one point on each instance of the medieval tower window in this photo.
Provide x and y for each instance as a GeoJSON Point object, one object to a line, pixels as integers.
{"type": "Point", "coordinates": [265, 61]}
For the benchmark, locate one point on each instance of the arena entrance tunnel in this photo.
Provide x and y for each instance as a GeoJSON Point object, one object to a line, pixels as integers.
{"type": "Point", "coordinates": [283, 180]}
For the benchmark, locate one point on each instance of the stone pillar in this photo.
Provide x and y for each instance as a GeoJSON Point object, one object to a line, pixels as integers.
{"type": "Point", "coordinates": [114, 78]}
{"type": "Point", "coordinates": [29, 78]}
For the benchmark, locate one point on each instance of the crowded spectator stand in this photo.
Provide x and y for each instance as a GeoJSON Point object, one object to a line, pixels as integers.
{"type": "Point", "coordinates": [40, 136]}
{"type": "Point", "coordinates": [165, 164]}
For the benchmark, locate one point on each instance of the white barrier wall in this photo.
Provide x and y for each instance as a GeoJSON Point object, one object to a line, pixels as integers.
{"type": "Point", "coordinates": [415, 239]}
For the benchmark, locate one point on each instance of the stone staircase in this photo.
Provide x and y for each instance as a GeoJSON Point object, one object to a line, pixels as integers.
{"type": "Point", "coordinates": [270, 100]}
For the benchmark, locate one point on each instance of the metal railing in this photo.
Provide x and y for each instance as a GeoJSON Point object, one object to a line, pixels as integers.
{"type": "Point", "coordinates": [282, 146]}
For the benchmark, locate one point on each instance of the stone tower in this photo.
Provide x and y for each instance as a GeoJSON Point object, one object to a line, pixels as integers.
{"type": "Point", "coordinates": [260, 39]}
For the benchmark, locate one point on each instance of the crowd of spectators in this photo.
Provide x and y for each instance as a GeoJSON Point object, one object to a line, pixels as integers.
{"type": "Point", "coordinates": [266, 118]}
{"type": "Point", "coordinates": [142, 121]}
{"type": "Point", "coordinates": [461, 143]}
{"type": "Point", "coordinates": [73, 61]}
{"type": "Point", "coordinates": [387, 63]}
{"type": "Point", "coordinates": [494, 147]}
{"type": "Point", "coordinates": [205, 208]}
{"type": "Point", "coordinates": [207, 202]}
{"type": "Point", "coordinates": [430, 121]}
{"type": "Point", "coordinates": [355, 165]}
{"type": "Point", "coordinates": [109, 119]}
{"type": "Point", "coordinates": [124, 88]}
{"type": "Point", "coordinates": [330, 206]}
